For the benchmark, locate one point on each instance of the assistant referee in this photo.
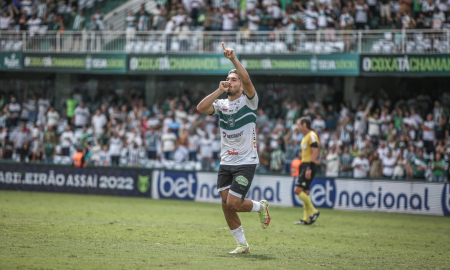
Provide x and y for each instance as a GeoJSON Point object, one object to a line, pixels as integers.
{"type": "Point", "coordinates": [310, 152]}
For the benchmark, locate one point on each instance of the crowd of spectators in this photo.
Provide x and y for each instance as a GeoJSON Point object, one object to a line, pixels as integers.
{"type": "Point", "coordinates": [228, 15]}
{"type": "Point", "coordinates": [279, 15]}
{"type": "Point", "coordinates": [371, 137]}
{"type": "Point", "coordinates": [51, 15]}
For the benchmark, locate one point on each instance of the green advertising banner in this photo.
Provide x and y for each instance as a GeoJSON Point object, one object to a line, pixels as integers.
{"type": "Point", "coordinates": [201, 64]}
{"type": "Point", "coordinates": [76, 62]}
{"type": "Point", "coordinates": [406, 65]}
{"type": "Point", "coordinates": [10, 61]}
{"type": "Point", "coordinates": [302, 64]}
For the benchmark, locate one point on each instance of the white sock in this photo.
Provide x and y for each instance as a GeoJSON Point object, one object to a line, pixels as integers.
{"type": "Point", "coordinates": [238, 234]}
{"type": "Point", "coordinates": [257, 207]}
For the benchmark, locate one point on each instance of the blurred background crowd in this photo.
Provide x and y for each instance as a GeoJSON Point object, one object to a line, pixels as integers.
{"type": "Point", "coordinates": [228, 15]}
{"type": "Point", "coordinates": [369, 136]}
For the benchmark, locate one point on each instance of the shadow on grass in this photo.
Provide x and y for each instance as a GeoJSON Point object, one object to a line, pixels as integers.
{"type": "Point", "coordinates": [253, 257]}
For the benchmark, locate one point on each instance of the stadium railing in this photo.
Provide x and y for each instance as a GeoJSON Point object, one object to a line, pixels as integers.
{"type": "Point", "coordinates": [261, 42]}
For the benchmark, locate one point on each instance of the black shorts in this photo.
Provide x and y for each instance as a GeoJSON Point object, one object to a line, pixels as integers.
{"type": "Point", "coordinates": [236, 178]}
{"type": "Point", "coordinates": [302, 181]}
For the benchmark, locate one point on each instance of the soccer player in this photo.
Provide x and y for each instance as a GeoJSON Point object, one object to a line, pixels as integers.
{"type": "Point", "coordinates": [310, 153]}
{"type": "Point", "coordinates": [239, 156]}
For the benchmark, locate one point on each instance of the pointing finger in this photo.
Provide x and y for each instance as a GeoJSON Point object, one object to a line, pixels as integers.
{"type": "Point", "coordinates": [223, 46]}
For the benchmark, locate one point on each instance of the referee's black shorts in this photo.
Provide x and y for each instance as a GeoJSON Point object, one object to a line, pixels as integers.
{"type": "Point", "coordinates": [302, 181]}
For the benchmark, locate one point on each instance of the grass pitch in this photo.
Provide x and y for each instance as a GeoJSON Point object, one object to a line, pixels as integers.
{"type": "Point", "coordinates": [62, 231]}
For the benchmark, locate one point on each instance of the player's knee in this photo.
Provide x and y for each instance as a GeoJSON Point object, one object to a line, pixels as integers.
{"type": "Point", "coordinates": [297, 190]}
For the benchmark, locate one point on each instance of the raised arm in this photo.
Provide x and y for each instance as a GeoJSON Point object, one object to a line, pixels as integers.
{"type": "Point", "coordinates": [249, 90]}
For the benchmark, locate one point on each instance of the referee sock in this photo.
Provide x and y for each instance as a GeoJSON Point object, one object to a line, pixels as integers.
{"type": "Point", "coordinates": [238, 234]}
{"type": "Point", "coordinates": [306, 205]}
{"type": "Point", "coordinates": [257, 207]}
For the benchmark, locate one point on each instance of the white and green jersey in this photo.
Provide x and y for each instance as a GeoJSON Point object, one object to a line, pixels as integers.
{"type": "Point", "coordinates": [237, 128]}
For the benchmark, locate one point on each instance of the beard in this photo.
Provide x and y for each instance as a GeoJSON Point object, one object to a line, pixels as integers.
{"type": "Point", "coordinates": [231, 92]}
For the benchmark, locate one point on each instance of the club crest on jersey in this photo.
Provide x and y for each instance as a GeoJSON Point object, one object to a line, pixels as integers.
{"type": "Point", "coordinates": [231, 122]}
{"type": "Point", "coordinates": [304, 146]}
{"type": "Point", "coordinates": [242, 180]}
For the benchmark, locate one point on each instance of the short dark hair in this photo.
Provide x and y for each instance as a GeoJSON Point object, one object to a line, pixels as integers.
{"type": "Point", "coordinates": [307, 121]}
{"type": "Point", "coordinates": [233, 71]}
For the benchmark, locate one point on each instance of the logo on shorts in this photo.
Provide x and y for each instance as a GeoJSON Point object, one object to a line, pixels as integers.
{"type": "Point", "coordinates": [242, 180]}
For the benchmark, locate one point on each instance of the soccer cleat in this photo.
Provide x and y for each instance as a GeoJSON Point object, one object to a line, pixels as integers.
{"type": "Point", "coordinates": [264, 216]}
{"type": "Point", "coordinates": [314, 217]}
{"type": "Point", "coordinates": [241, 249]}
{"type": "Point", "coordinates": [302, 222]}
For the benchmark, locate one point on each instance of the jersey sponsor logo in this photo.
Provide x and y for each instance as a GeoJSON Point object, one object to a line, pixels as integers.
{"type": "Point", "coordinates": [242, 180]}
{"type": "Point", "coordinates": [224, 109]}
{"type": "Point", "coordinates": [233, 152]}
{"type": "Point", "coordinates": [224, 134]}
{"type": "Point", "coordinates": [232, 136]}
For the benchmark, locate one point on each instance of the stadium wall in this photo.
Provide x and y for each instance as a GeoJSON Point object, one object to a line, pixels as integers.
{"type": "Point", "coordinates": [343, 194]}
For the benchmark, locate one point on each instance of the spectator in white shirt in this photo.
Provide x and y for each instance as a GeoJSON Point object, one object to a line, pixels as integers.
{"type": "Point", "coordinates": [318, 124]}
{"type": "Point", "coordinates": [228, 20]}
{"type": "Point", "coordinates": [98, 122]}
{"type": "Point", "coordinates": [361, 166]}
{"type": "Point", "coordinates": [374, 125]}
{"type": "Point", "coordinates": [388, 163]}
{"type": "Point", "coordinates": [67, 139]}
{"type": "Point", "coordinates": [332, 163]}
{"type": "Point", "coordinates": [104, 158]}
{"type": "Point", "coordinates": [382, 150]}
{"type": "Point", "coordinates": [52, 117]}
{"type": "Point", "coordinates": [81, 116]}
{"type": "Point", "coordinates": [428, 133]}
{"type": "Point", "coordinates": [361, 10]}
{"type": "Point", "coordinates": [115, 148]}
{"type": "Point", "coordinates": [168, 144]}
{"type": "Point", "coordinates": [43, 105]}
{"type": "Point", "coordinates": [253, 21]}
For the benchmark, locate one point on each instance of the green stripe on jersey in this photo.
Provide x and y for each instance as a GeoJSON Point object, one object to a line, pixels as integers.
{"type": "Point", "coordinates": [251, 118]}
{"type": "Point", "coordinates": [239, 113]}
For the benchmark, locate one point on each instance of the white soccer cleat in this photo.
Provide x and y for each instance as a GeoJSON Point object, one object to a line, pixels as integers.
{"type": "Point", "coordinates": [240, 249]}
{"type": "Point", "coordinates": [264, 216]}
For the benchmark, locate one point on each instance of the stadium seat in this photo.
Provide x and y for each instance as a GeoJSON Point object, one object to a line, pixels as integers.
{"type": "Point", "coordinates": [138, 47]}
{"type": "Point", "coordinates": [269, 47]}
{"type": "Point", "coordinates": [157, 47]}
{"type": "Point", "coordinates": [129, 47]}
{"type": "Point", "coordinates": [280, 47]}
{"type": "Point", "coordinates": [258, 48]}
{"type": "Point", "coordinates": [248, 47]}
{"type": "Point", "coordinates": [66, 160]}
{"type": "Point", "coordinates": [17, 46]}
{"type": "Point", "coordinates": [57, 159]}
{"type": "Point", "coordinates": [175, 46]}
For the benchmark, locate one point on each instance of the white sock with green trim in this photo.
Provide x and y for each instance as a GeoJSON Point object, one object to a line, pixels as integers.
{"type": "Point", "coordinates": [238, 234]}
{"type": "Point", "coordinates": [257, 207]}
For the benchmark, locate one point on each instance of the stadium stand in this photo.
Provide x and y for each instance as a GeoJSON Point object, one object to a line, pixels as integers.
{"type": "Point", "coordinates": [406, 139]}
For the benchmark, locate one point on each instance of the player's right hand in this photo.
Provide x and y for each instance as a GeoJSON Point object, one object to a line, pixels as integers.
{"type": "Point", "coordinates": [224, 86]}
{"type": "Point", "coordinates": [308, 174]}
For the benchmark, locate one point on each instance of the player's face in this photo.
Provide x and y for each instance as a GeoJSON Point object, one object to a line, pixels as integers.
{"type": "Point", "coordinates": [235, 84]}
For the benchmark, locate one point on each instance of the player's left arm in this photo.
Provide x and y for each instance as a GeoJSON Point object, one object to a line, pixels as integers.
{"type": "Point", "coordinates": [314, 155]}
{"type": "Point", "coordinates": [249, 89]}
